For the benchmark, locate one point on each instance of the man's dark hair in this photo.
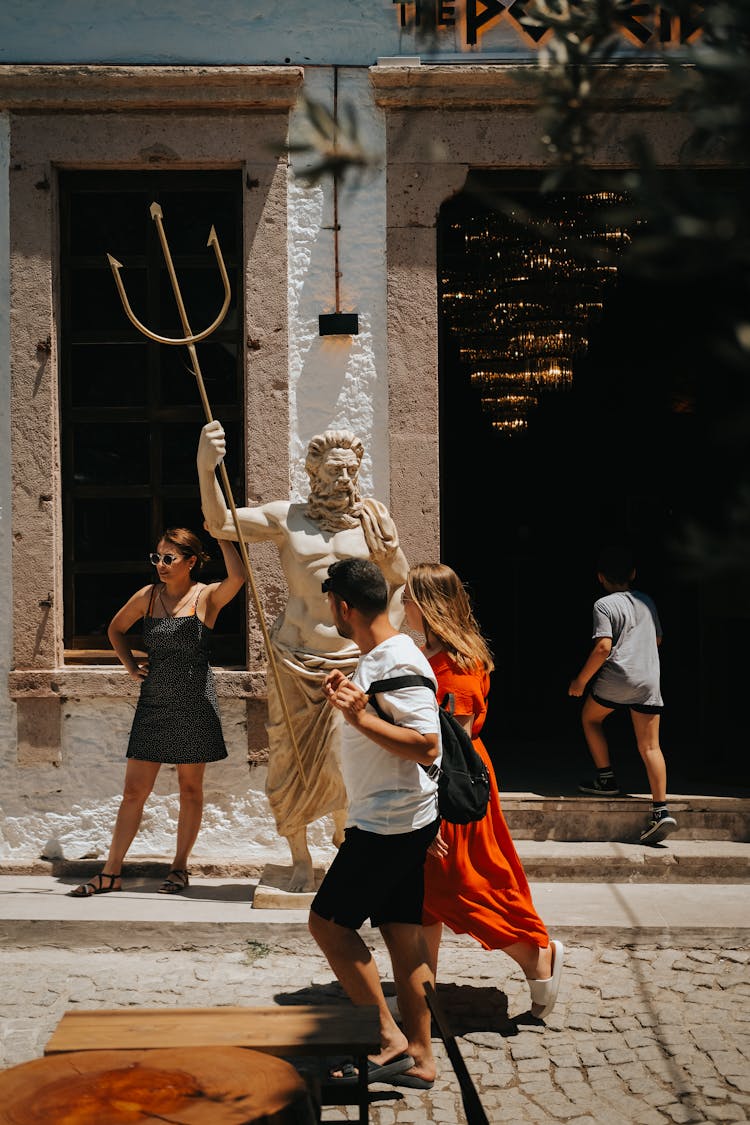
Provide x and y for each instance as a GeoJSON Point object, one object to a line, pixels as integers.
{"type": "Point", "coordinates": [360, 583]}
{"type": "Point", "coordinates": [616, 563]}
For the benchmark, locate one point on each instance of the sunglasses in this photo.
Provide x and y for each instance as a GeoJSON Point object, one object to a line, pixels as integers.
{"type": "Point", "coordinates": [167, 559]}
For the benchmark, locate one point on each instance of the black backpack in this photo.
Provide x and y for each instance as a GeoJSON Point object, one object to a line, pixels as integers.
{"type": "Point", "coordinates": [462, 777]}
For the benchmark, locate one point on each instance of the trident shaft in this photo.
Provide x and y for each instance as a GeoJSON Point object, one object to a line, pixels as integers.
{"type": "Point", "coordinates": [189, 340]}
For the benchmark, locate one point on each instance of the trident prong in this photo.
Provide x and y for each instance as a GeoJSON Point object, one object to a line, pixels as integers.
{"type": "Point", "coordinates": [190, 340]}
{"type": "Point", "coordinates": [156, 215]}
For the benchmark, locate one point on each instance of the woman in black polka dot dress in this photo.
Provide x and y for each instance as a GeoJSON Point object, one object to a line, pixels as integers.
{"type": "Point", "coordinates": [177, 718]}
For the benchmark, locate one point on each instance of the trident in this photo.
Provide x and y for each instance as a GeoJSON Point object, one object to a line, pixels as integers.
{"type": "Point", "coordinates": [189, 340]}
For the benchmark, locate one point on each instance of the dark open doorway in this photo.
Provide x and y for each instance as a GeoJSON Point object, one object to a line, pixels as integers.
{"type": "Point", "coordinates": [651, 436]}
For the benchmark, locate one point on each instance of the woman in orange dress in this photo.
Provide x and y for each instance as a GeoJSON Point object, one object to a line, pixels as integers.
{"type": "Point", "coordinates": [474, 881]}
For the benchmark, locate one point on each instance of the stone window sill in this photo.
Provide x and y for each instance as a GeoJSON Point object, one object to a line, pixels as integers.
{"type": "Point", "coordinates": [102, 680]}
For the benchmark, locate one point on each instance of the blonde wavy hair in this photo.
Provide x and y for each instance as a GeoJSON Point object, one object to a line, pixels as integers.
{"type": "Point", "coordinates": [446, 612]}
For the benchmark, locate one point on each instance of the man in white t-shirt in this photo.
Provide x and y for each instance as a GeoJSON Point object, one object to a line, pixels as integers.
{"type": "Point", "coordinates": [378, 872]}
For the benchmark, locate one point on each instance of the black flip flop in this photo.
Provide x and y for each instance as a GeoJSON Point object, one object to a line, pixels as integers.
{"type": "Point", "coordinates": [376, 1072]}
{"type": "Point", "coordinates": [412, 1081]}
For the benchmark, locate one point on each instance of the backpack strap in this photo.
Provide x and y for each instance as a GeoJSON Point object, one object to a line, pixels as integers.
{"type": "Point", "coordinates": [397, 682]}
{"type": "Point", "coordinates": [394, 684]}
{"type": "Point", "coordinates": [448, 702]}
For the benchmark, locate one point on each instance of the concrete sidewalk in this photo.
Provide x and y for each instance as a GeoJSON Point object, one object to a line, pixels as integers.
{"type": "Point", "coordinates": [651, 1026]}
{"type": "Point", "coordinates": [571, 909]}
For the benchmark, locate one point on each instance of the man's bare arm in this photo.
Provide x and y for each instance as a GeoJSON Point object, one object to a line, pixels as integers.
{"type": "Point", "coordinates": [403, 742]}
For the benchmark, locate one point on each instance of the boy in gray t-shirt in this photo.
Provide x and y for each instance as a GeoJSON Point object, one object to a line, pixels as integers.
{"type": "Point", "coordinates": [624, 668]}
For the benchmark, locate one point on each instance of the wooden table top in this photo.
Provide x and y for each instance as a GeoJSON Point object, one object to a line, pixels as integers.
{"type": "Point", "coordinates": [278, 1030]}
{"type": "Point", "coordinates": [186, 1086]}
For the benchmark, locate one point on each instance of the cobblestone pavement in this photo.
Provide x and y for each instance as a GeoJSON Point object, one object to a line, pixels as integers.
{"type": "Point", "coordinates": [643, 1034]}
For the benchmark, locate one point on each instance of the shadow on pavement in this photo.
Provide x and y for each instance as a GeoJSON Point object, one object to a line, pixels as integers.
{"type": "Point", "coordinates": [469, 1009]}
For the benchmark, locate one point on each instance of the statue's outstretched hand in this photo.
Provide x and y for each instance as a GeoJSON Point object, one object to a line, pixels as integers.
{"type": "Point", "coordinates": [212, 446]}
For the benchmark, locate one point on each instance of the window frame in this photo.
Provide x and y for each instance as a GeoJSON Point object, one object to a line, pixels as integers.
{"type": "Point", "coordinates": [183, 118]}
{"type": "Point", "coordinates": [228, 648]}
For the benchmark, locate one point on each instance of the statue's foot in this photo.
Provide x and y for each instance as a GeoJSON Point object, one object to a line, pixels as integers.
{"type": "Point", "coordinates": [302, 877]}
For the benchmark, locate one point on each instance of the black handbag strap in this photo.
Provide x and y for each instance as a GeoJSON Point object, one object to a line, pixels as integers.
{"type": "Point", "coordinates": [397, 682]}
{"type": "Point", "coordinates": [448, 703]}
{"type": "Point", "coordinates": [394, 684]}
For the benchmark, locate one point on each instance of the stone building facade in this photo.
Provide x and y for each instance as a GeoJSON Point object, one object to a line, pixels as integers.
{"type": "Point", "coordinates": [195, 91]}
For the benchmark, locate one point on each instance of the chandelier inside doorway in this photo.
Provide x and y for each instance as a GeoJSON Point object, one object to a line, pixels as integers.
{"type": "Point", "coordinates": [520, 299]}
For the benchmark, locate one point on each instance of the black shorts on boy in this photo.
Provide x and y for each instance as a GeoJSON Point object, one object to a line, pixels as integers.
{"type": "Point", "coordinates": [641, 708]}
{"type": "Point", "coordinates": [376, 876]}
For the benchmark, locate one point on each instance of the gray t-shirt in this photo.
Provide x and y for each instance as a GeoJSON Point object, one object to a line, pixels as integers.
{"type": "Point", "coordinates": [630, 674]}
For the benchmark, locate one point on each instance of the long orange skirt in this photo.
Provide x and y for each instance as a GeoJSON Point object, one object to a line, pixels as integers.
{"type": "Point", "coordinates": [480, 888]}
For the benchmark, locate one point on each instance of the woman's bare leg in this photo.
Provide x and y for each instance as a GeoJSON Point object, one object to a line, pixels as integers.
{"type": "Point", "coordinates": [189, 819]}
{"type": "Point", "coordinates": [535, 962]}
{"type": "Point", "coordinates": [139, 781]}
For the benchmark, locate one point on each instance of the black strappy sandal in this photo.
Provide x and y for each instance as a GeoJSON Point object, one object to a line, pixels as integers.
{"type": "Point", "coordinates": [96, 886]}
{"type": "Point", "coordinates": [176, 881]}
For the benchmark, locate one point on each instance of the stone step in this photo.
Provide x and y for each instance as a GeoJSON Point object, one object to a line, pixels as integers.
{"type": "Point", "coordinates": [531, 816]}
{"type": "Point", "coordinates": [544, 860]}
{"type": "Point", "coordinates": [570, 838]}
{"type": "Point", "coordinates": [677, 861]}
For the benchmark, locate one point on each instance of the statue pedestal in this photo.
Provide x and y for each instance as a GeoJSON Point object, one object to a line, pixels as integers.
{"type": "Point", "coordinates": [272, 894]}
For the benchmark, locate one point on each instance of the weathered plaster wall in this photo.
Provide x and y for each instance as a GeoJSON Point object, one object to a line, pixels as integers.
{"type": "Point", "coordinates": [339, 381]}
{"type": "Point", "coordinates": [353, 32]}
{"type": "Point", "coordinates": [7, 710]}
{"type": "Point", "coordinates": [69, 810]}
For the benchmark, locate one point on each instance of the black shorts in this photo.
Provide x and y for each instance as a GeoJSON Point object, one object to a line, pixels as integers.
{"type": "Point", "coordinates": [641, 708]}
{"type": "Point", "coordinates": [377, 877]}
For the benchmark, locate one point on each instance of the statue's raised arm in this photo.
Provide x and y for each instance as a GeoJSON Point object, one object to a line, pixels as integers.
{"type": "Point", "coordinates": [211, 450]}
{"type": "Point", "coordinates": [256, 523]}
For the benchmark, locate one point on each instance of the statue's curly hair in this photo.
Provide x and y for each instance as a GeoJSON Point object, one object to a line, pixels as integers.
{"type": "Point", "coordinates": [331, 439]}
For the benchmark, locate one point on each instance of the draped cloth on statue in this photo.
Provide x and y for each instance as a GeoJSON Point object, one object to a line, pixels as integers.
{"type": "Point", "coordinates": [316, 727]}
{"type": "Point", "coordinates": [379, 529]}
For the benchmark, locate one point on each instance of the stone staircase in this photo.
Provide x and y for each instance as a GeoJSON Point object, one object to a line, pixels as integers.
{"type": "Point", "coordinates": [583, 839]}
{"type": "Point", "coordinates": [531, 816]}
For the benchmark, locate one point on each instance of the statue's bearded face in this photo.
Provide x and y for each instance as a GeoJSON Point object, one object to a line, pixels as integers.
{"type": "Point", "coordinates": [337, 475]}
{"type": "Point", "coordinates": [334, 500]}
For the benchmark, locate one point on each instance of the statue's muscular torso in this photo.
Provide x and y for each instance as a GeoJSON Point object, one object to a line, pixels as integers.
{"type": "Point", "coordinates": [305, 552]}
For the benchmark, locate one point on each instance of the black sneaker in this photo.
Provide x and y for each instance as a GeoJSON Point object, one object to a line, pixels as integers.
{"type": "Point", "coordinates": [601, 787]}
{"type": "Point", "coordinates": [658, 828]}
